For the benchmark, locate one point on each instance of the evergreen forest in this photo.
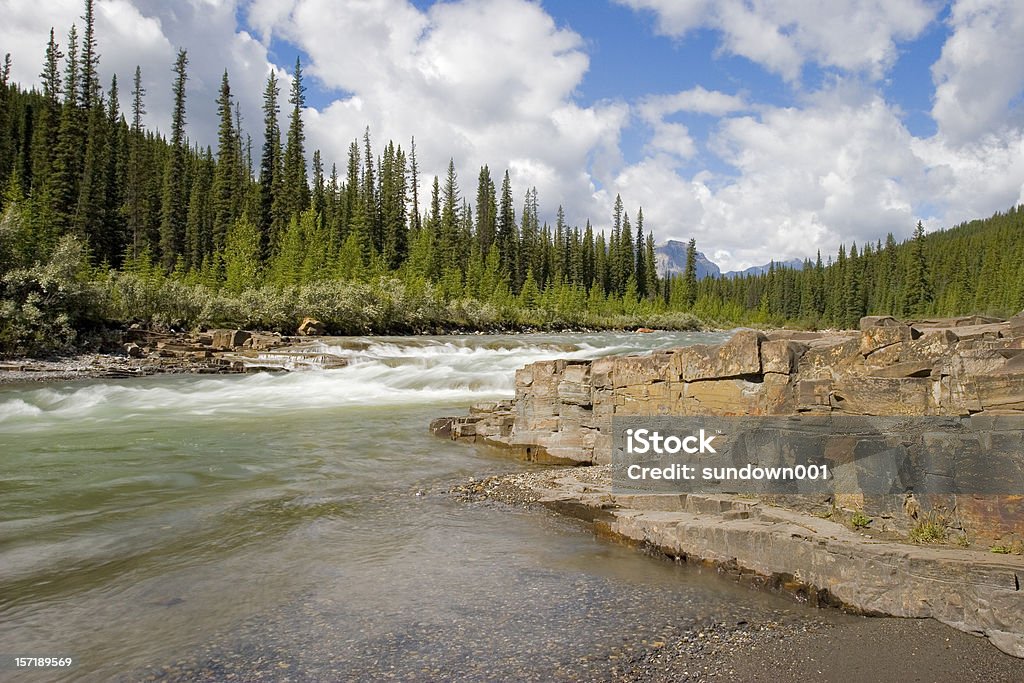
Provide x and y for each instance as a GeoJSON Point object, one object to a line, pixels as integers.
{"type": "Point", "coordinates": [105, 222]}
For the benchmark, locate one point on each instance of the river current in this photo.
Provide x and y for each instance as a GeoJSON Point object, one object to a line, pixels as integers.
{"type": "Point", "coordinates": [295, 526]}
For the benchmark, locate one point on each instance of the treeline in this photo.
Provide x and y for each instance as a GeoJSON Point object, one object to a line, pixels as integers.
{"type": "Point", "coordinates": [76, 165]}
{"type": "Point", "coordinates": [104, 220]}
{"type": "Point", "coordinates": [975, 267]}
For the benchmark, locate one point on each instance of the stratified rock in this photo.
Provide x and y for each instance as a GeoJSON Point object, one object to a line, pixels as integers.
{"type": "Point", "coordinates": [878, 321]}
{"type": "Point", "coordinates": [229, 339]}
{"type": "Point", "coordinates": [563, 410]}
{"type": "Point", "coordinates": [739, 356]}
{"type": "Point", "coordinates": [781, 356]}
{"type": "Point", "coordinates": [875, 338]}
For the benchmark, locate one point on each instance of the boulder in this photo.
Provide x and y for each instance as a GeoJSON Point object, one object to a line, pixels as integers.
{"type": "Point", "coordinates": [133, 350]}
{"type": "Point", "coordinates": [311, 327]}
{"type": "Point", "coordinates": [229, 339]}
{"type": "Point", "coordinates": [878, 337]}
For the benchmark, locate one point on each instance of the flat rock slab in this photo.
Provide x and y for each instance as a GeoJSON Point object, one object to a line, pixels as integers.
{"type": "Point", "coordinates": [973, 591]}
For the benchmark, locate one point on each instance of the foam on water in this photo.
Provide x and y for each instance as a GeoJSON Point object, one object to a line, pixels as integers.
{"type": "Point", "coordinates": [380, 372]}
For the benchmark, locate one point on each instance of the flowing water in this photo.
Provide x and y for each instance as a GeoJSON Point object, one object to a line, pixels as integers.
{"type": "Point", "coordinates": [294, 526]}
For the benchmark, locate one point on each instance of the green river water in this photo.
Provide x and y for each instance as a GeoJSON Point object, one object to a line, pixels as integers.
{"type": "Point", "coordinates": [295, 526]}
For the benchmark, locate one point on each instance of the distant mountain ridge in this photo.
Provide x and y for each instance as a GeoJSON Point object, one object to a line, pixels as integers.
{"type": "Point", "coordinates": [671, 258]}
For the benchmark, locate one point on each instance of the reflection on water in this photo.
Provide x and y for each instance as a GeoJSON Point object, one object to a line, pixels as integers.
{"type": "Point", "coordinates": [211, 521]}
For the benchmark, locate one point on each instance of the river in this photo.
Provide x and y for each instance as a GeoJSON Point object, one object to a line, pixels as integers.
{"type": "Point", "coordinates": [295, 526]}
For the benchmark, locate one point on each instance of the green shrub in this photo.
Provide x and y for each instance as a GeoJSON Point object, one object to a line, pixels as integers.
{"type": "Point", "coordinates": [928, 530]}
{"type": "Point", "coordinates": [859, 520]}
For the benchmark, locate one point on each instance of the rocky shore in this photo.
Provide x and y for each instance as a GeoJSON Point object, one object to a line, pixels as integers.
{"type": "Point", "coordinates": [952, 555]}
{"type": "Point", "coordinates": [774, 650]}
{"type": "Point", "coordinates": [212, 352]}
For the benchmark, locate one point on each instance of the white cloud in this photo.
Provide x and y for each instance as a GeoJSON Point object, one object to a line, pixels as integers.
{"type": "Point", "coordinates": [497, 81]}
{"type": "Point", "coordinates": [697, 100]}
{"type": "Point", "coordinates": [981, 70]}
{"type": "Point", "coordinates": [854, 35]}
{"type": "Point", "coordinates": [148, 33]}
{"type": "Point", "coordinates": [483, 81]}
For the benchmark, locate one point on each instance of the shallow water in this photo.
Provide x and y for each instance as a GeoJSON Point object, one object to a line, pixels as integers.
{"type": "Point", "coordinates": [295, 526]}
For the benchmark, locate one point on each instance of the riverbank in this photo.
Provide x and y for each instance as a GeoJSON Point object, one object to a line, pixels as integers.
{"type": "Point", "coordinates": [863, 648]}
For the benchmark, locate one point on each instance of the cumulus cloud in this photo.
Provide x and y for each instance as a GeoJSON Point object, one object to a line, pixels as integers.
{"type": "Point", "coordinates": [981, 70]}
{"type": "Point", "coordinates": [148, 33]}
{"type": "Point", "coordinates": [497, 82]}
{"type": "Point", "coordinates": [483, 81]}
{"type": "Point", "coordinates": [854, 35]}
{"type": "Point", "coordinates": [698, 100]}
{"type": "Point", "coordinates": [841, 168]}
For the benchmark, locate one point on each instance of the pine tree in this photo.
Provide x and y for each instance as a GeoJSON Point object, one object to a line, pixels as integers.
{"type": "Point", "coordinates": [6, 154]}
{"type": "Point", "coordinates": [486, 211]}
{"type": "Point", "coordinates": [270, 169]}
{"type": "Point", "coordinates": [507, 239]}
{"type": "Point", "coordinates": [414, 180]}
{"type": "Point", "coordinates": [68, 157]}
{"type": "Point", "coordinates": [640, 270]}
{"type": "Point", "coordinates": [227, 185]}
{"type": "Point", "coordinates": [370, 198]}
{"type": "Point", "coordinates": [690, 274]}
{"type": "Point", "coordinates": [199, 223]}
{"type": "Point", "coordinates": [296, 184]}
{"type": "Point", "coordinates": [113, 182]}
{"type": "Point", "coordinates": [136, 199]}
{"type": "Point", "coordinates": [175, 203]}
{"type": "Point", "coordinates": [918, 286]}
{"type": "Point", "coordinates": [90, 88]}
{"type": "Point", "coordinates": [447, 236]}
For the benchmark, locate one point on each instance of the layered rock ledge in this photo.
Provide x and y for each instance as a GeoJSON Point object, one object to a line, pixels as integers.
{"type": "Point", "coordinates": [819, 561]}
{"type": "Point", "coordinates": [563, 409]}
{"type": "Point", "coordinates": [145, 352]}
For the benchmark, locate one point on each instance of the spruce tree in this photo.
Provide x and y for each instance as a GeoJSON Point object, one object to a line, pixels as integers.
{"type": "Point", "coordinates": [227, 185]}
{"type": "Point", "coordinates": [270, 168]}
{"type": "Point", "coordinates": [918, 286]}
{"type": "Point", "coordinates": [507, 239]}
{"type": "Point", "coordinates": [640, 269]}
{"type": "Point", "coordinates": [136, 198]}
{"type": "Point", "coordinates": [690, 274]}
{"type": "Point", "coordinates": [296, 184]}
{"type": "Point", "coordinates": [174, 210]}
{"type": "Point", "coordinates": [68, 157]}
{"type": "Point", "coordinates": [486, 211]}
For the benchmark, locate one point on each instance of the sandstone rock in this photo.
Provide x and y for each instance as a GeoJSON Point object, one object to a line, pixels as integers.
{"type": "Point", "coordinates": [722, 397]}
{"type": "Point", "coordinates": [442, 426]}
{"type": "Point", "coordinates": [311, 327]}
{"type": "Point", "coordinates": [133, 350]}
{"type": "Point", "coordinates": [781, 356]}
{"type": "Point", "coordinates": [229, 339]}
{"type": "Point", "coordinates": [814, 394]}
{"type": "Point", "coordinates": [631, 370]}
{"type": "Point", "coordinates": [899, 370]}
{"type": "Point", "coordinates": [739, 356]}
{"type": "Point", "coordinates": [259, 341]}
{"type": "Point", "coordinates": [828, 360]}
{"type": "Point", "coordinates": [881, 396]}
{"type": "Point", "coordinates": [878, 321]}
{"type": "Point", "coordinates": [874, 338]}
{"type": "Point", "coordinates": [1000, 391]}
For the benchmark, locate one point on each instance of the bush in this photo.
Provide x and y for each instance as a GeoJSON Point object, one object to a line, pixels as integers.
{"type": "Point", "coordinates": [43, 307]}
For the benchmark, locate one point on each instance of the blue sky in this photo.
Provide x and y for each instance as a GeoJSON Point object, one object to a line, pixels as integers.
{"type": "Point", "coordinates": [764, 128]}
